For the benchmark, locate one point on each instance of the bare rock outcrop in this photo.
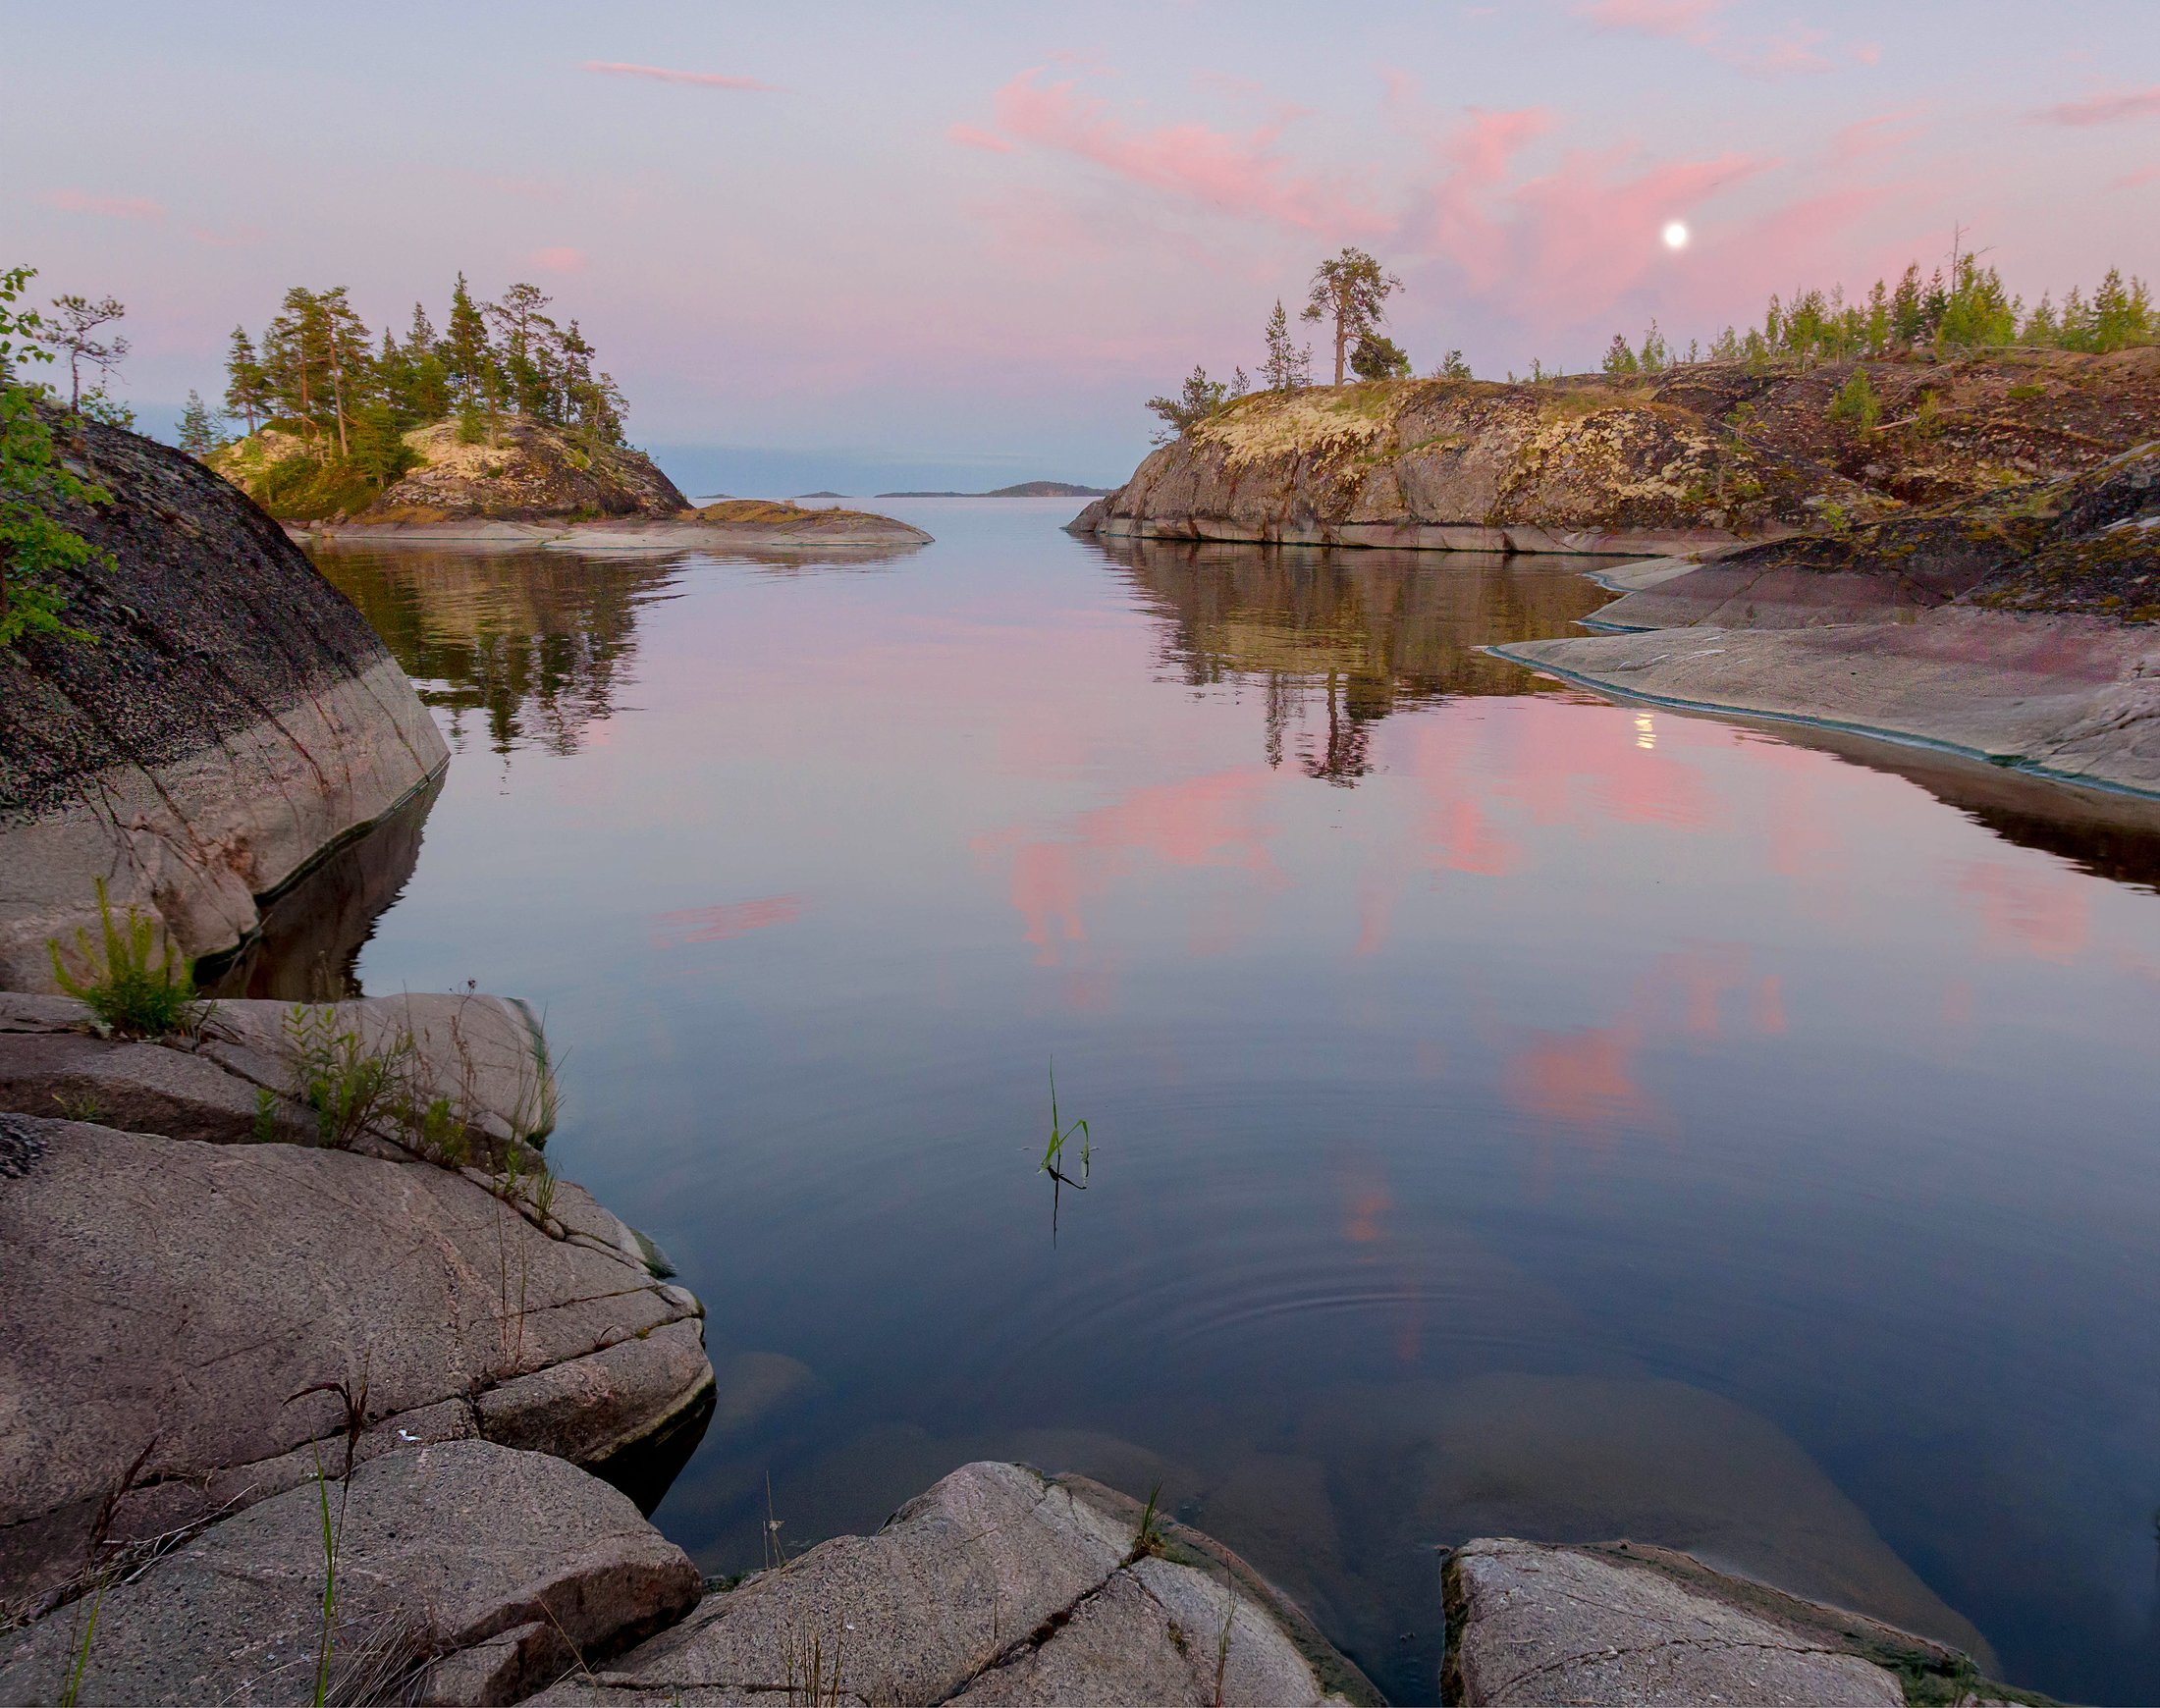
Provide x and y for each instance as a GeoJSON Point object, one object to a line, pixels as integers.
{"type": "Point", "coordinates": [230, 719]}
{"type": "Point", "coordinates": [780, 531]}
{"type": "Point", "coordinates": [2018, 628]}
{"type": "Point", "coordinates": [999, 1585]}
{"type": "Point", "coordinates": [465, 1572]}
{"type": "Point", "coordinates": [197, 1325]}
{"type": "Point", "coordinates": [1466, 466]}
{"type": "Point", "coordinates": [1700, 455]}
{"type": "Point", "coordinates": [1622, 1625]}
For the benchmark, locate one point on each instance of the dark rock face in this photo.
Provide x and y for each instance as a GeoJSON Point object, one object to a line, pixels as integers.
{"type": "Point", "coordinates": [232, 716]}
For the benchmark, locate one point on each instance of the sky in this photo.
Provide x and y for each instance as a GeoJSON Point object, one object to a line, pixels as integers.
{"type": "Point", "coordinates": [904, 244]}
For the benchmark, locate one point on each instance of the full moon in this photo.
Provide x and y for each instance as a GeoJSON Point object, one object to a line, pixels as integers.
{"type": "Point", "coordinates": [1676, 236]}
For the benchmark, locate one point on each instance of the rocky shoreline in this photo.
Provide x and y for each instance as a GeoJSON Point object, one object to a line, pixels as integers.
{"type": "Point", "coordinates": [1998, 639]}
{"type": "Point", "coordinates": [762, 527]}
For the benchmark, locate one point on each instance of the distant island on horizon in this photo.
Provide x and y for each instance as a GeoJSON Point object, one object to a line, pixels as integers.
{"type": "Point", "coordinates": [1026, 489]}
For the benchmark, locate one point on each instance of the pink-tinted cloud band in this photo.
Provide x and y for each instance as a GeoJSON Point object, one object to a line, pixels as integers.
{"type": "Point", "coordinates": [2104, 109]}
{"type": "Point", "coordinates": [664, 75]}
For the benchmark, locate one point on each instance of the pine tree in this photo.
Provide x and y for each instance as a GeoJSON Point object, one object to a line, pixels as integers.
{"type": "Point", "coordinates": [1351, 290]}
{"type": "Point", "coordinates": [199, 428]}
{"type": "Point", "coordinates": [527, 347]}
{"type": "Point", "coordinates": [246, 393]}
{"type": "Point", "coordinates": [468, 357]}
{"type": "Point", "coordinates": [1620, 356]}
{"type": "Point", "coordinates": [1289, 366]}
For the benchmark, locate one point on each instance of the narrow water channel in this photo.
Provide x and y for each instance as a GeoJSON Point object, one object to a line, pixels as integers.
{"type": "Point", "coordinates": [1508, 1113]}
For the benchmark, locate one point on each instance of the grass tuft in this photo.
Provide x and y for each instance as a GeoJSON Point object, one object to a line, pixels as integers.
{"type": "Point", "coordinates": [131, 992]}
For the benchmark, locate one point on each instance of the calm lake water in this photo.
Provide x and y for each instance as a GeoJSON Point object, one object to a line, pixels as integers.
{"type": "Point", "coordinates": [1510, 1113]}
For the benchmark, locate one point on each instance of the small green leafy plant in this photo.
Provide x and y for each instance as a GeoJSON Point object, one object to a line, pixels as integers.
{"type": "Point", "coordinates": [35, 482]}
{"type": "Point", "coordinates": [349, 1085]}
{"type": "Point", "coordinates": [131, 992]}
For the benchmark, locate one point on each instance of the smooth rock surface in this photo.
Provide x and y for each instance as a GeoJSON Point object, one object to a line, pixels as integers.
{"type": "Point", "coordinates": [2072, 697]}
{"type": "Point", "coordinates": [997, 1585]}
{"type": "Point", "coordinates": [172, 1304]}
{"type": "Point", "coordinates": [501, 1568]}
{"type": "Point", "coordinates": [485, 1055]}
{"type": "Point", "coordinates": [1623, 1625]}
{"type": "Point", "coordinates": [233, 718]}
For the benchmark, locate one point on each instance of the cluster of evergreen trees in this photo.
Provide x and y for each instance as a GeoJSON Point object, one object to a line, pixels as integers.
{"type": "Point", "coordinates": [317, 371]}
{"type": "Point", "coordinates": [1965, 309]}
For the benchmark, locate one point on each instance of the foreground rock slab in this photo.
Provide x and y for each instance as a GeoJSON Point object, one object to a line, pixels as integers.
{"type": "Point", "coordinates": [465, 1572]}
{"type": "Point", "coordinates": [1625, 1624]}
{"type": "Point", "coordinates": [999, 1585]}
{"type": "Point", "coordinates": [193, 1325]}
{"type": "Point", "coordinates": [485, 1057]}
{"type": "Point", "coordinates": [2071, 697]}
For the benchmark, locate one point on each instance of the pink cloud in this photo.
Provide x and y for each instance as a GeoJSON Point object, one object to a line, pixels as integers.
{"type": "Point", "coordinates": [972, 137]}
{"type": "Point", "coordinates": [2131, 179]}
{"type": "Point", "coordinates": [559, 260]}
{"type": "Point", "coordinates": [1673, 19]}
{"type": "Point", "coordinates": [2104, 109]}
{"type": "Point", "coordinates": [1699, 23]}
{"type": "Point", "coordinates": [663, 75]}
{"type": "Point", "coordinates": [1572, 240]}
{"type": "Point", "coordinates": [1781, 56]}
{"type": "Point", "coordinates": [1870, 136]}
{"type": "Point", "coordinates": [112, 208]}
{"type": "Point", "coordinates": [1233, 173]}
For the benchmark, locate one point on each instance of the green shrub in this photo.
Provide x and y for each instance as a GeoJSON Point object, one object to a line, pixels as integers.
{"type": "Point", "coordinates": [1856, 405]}
{"type": "Point", "coordinates": [129, 993]}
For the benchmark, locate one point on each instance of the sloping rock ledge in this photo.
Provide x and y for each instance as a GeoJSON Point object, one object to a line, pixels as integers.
{"type": "Point", "coordinates": [1621, 1623]}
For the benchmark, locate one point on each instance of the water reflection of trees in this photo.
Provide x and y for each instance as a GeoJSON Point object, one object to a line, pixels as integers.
{"type": "Point", "coordinates": [1351, 634]}
{"type": "Point", "coordinates": [537, 644]}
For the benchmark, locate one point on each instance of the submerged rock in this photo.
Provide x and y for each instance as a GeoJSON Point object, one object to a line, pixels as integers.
{"type": "Point", "coordinates": [999, 1585]}
{"type": "Point", "coordinates": [230, 718]}
{"type": "Point", "coordinates": [465, 1572]}
{"type": "Point", "coordinates": [1623, 1625]}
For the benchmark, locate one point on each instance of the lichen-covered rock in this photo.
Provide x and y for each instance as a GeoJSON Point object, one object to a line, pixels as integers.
{"type": "Point", "coordinates": [1621, 1624]}
{"type": "Point", "coordinates": [1468, 466]}
{"type": "Point", "coordinates": [516, 470]}
{"type": "Point", "coordinates": [523, 469]}
{"type": "Point", "coordinates": [230, 718]}
{"type": "Point", "coordinates": [999, 1585]}
{"type": "Point", "coordinates": [176, 1309]}
{"type": "Point", "coordinates": [465, 1572]}
{"type": "Point", "coordinates": [1700, 455]}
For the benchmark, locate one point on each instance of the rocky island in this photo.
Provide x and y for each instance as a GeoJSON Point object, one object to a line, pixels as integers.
{"type": "Point", "coordinates": [1972, 562]}
{"type": "Point", "coordinates": [527, 483]}
{"type": "Point", "coordinates": [499, 430]}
